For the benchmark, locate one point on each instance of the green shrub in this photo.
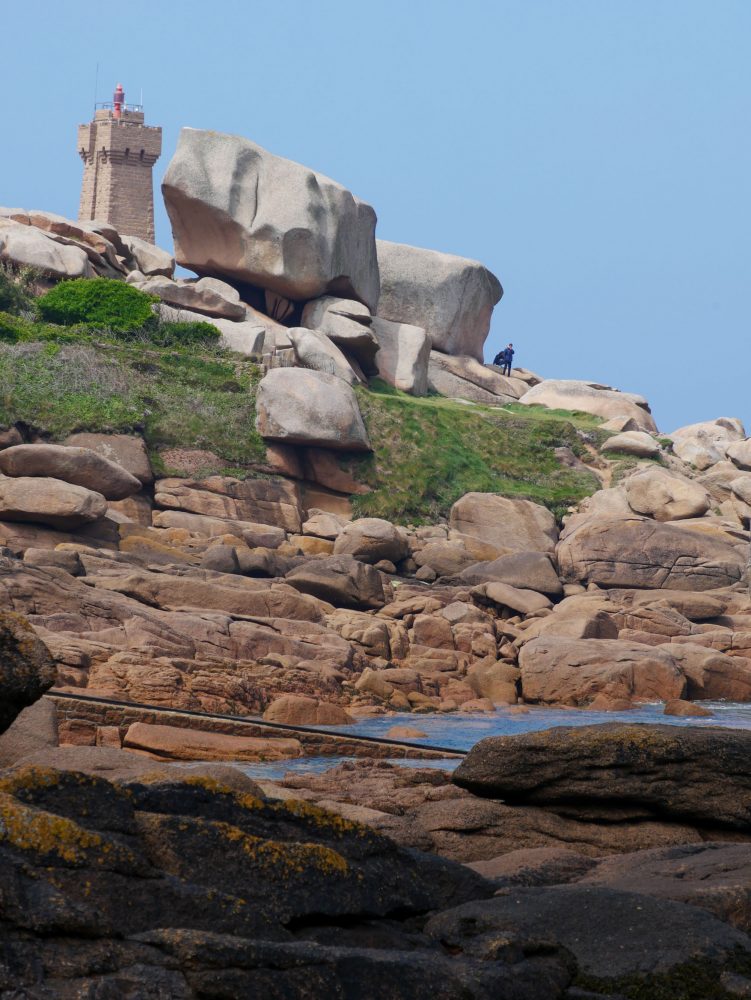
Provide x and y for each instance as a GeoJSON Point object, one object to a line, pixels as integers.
{"type": "Point", "coordinates": [184, 334]}
{"type": "Point", "coordinates": [18, 329]}
{"type": "Point", "coordinates": [13, 297]}
{"type": "Point", "coordinates": [99, 302]}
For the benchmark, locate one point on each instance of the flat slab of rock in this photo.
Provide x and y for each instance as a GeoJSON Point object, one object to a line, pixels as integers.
{"type": "Point", "coordinates": [667, 772]}
{"type": "Point", "coordinates": [207, 295]}
{"type": "Point", "coordinates": [465, 378]}
{"type": "Point", "coordinates": [275, 502]}
{"type": "Point", "coordinates": [589, 397]}
{"type": "Point", "coordinates": [637, 552]}
{"type": "Point", "coordinates": [172, 743]}
{"type": "Point", "coordinates": [238, 211]}
{"type": "Point", "coordinates": [295, 406]}
{"type": "Point", "coordinates": [79, 466]}
{"type": "Point", "coordinates": [49, 501]}
{"type": "Point", "coordinates": [613, 935]}
{"type": "Point", "coordinates": [517, 525]}
{"type": "Point", "coordinates": [450, 298]}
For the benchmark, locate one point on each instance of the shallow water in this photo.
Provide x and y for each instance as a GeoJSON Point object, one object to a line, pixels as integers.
{"type": "Point", "coordinates": [461, 731]}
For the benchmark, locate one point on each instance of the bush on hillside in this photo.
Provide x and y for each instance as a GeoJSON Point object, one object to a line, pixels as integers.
{"type": "Point", "coordinates": [18, 329]}
{"type": "Point", "coordinates": [100, 302]}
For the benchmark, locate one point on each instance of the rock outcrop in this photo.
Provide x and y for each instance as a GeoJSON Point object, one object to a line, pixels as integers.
{"type": "Point", "coordinates": [589, 397]}
{"type": "Point", "coordinates": [450, 298]}
{"type": "Point", "coordinates": [647, 771]}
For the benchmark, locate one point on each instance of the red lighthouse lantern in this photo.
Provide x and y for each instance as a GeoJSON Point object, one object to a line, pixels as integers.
{"type": "Point", "coordinates": [118, 100]}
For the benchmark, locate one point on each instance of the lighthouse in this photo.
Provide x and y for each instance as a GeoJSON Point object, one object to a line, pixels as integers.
{"type": "Point", "coordinates": [119, 152]}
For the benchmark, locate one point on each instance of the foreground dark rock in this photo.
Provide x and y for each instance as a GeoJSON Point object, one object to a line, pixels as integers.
{"type": "Point", "coordinates": [616, 772]}
{"type": "Point", "coordinates": [200, 890]}
{"type": "Point", "coordinates": [26, 667]}
{"type": "Point", "coordinates": [622, 941]}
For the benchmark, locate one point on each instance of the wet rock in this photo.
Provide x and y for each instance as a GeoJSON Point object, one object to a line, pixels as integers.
{"type": "Point", "coordinates": [173, 743]}
{"type": "Point", "coordinates": [301, 711]}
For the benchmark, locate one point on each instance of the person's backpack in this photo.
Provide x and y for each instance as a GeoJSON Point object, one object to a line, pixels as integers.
{"type": "Point", "coordinates": [500, 358]}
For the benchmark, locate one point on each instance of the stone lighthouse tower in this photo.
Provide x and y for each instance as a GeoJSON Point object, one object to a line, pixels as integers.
{"type": "Point", "coordinates": [118, 153]}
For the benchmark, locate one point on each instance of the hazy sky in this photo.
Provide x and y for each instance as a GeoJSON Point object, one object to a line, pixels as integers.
{"type": "Point", "coordinates": [594, 154]}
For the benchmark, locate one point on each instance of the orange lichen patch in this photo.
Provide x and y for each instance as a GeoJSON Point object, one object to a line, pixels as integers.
{"type": "Point", "coordinates": [40, 832]}
{"type": "Point", "coordinates": [321, 818]}
{"type": "Point", "coordinates": [283, 859]}
{"type": "Point", "coordinates": [29, 778]}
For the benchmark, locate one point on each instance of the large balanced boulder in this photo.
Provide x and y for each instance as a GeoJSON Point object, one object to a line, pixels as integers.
{"type": "Point", "coordinates": [516, 525]}
{"type": "Point", "coordinates": [451, 298]}
{"type": "Point", "coordinates": [655, 771]}
{"type": "Point", "coordinates": [297, 406]}
{"type": "Point", "coordinates": [26, 667]}
{"type": "Point", "coordinates": [241, 213]}
{"type": "Point", "coordinates": [556, 670]}
{"type": "Point", "coordinates": [79, 466]}
{"type": "Point", "coordinates": [49, 501]}
{"type": "Point", "coordinates": [637, 552]}
{"type": "Point", "coordinates": [590, 397]}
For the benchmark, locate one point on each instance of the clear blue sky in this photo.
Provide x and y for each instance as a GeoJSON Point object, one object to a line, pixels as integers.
{"type": "Point", "coordinates": [595, 154]}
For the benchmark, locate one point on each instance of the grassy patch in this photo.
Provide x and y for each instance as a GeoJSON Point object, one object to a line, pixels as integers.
{"type": "Point", "coordinates": [173, 397]}
{"type": "Point", "coordinates": [430, 451]}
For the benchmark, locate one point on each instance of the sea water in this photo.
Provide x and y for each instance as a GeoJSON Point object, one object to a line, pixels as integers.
{"type": "Point", "coordinates": [460, 731]}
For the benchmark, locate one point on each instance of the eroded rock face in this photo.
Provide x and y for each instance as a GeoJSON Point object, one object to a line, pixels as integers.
{"type": "Point", "coordinates": [296, 406]}
{"type": "Point", "coordinates": [636, 552]}
{"type": "Point", "coordinates": [665, 496]}
{"type": "Point", "coordinates": [79, 466]}
{"type": "Point", "coordinates": [450, 298]}
{"type": "Point", "coordinates": [371, 539]}
{"type": "Point", "coordinates": [653, 771]}
{"type": "Point", "coordinates": [127, 450]}
{"type": "Point", "coordinates": [237, 211]}
{"type": "Point", "coordinates": [602, 401]}
{"type": "Point", "coordinates": [340, 579]}
{"type": "Point", "coordinates": [26, 667]}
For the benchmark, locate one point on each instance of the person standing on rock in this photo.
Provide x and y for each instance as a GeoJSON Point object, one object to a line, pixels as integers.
{"type": "Point", "coordinates": [508, 357]}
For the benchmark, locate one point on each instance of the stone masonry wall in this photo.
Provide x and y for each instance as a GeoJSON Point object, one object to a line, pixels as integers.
{"type": "Point", "coordinates": [117, 184]}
